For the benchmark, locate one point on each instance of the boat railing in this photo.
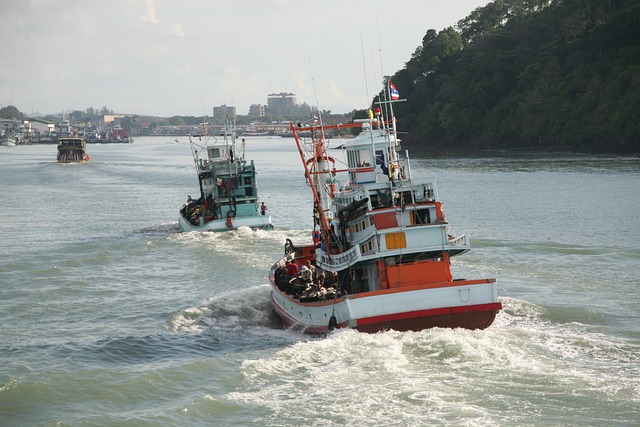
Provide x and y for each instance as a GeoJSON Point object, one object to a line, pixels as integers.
{"type": "Point", "coordinates": [362, 235]}
{"type": "Point", "coordinates": [348, 197]}
{"type": "Point", "coordinates": [417, 239]}
{"type": "Point", "coordinates": [425, 191]}
{"type": "Point", "coordinates": [462, 240]}
{"type": "Point", "coordinates": [337, 261]}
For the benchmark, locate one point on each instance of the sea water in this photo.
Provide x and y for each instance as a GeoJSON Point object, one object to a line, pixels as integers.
{"type": "Point", "coordinates": [109, 316]}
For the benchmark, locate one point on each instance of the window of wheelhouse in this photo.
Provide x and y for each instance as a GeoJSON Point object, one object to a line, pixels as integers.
{"type": "Point", "coordinates": [381, 161]}
{"type": "Point", "coordinates": [358, 159]}
{"type": "Point", "coordinates": [214, 153]}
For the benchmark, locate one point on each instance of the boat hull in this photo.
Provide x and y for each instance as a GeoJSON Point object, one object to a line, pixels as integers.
{"type": "Point", "coordinates": [254, 222]}
{"type": "Point", "coordinates": [469, 304]}
{"type": "Point", "coordinates": [8, 142]}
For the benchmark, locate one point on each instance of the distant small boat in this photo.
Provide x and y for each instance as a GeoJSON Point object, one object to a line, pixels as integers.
{"type": "Point", "coordinates": [228, 189]}
{"type": "Point", "coordinates": [46, 139]}
{"type": "Point", "coordinates": [72, 149]}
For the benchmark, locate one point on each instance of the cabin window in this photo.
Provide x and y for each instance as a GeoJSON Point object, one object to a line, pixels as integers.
{"type": "Point", "coordinates": [381, 198]}
{"type": "Point", "coordinates": [366, 247]}
{"type": "Point", "coordinates": [359, 226]}
{"type": "Point", "coordinates": [424, 192]}
{"type": "Point", "coordinates": [215, 153]}
{"type": "Point", "coordinates": [422, 216]}
{"type": "Point", "coordinates": [364, 158]}
{"type": "Point", "coordinates": [395, 240]}
{"type": "Point", "coordinates": [351, 158]}
{"type": "Point", "coordinates": [380, 160]}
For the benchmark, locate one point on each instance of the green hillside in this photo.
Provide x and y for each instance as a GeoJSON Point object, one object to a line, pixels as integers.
{"type": "Point", "coordinates": [530, 75]}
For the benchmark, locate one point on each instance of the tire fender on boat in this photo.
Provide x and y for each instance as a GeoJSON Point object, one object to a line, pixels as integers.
{"type": "Point", "coordinates": [288, 247]}
{"type": "Point", "coordinates": [333, 323]}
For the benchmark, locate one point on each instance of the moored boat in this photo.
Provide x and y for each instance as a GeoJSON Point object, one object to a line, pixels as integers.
{"type": "Point", "coordinates": [7, 141]}
{"type": "Point", "coordinates": [72, 149]}
{"type": "Point", "coordinates": [228, 187]}
{"type": "Point", "coordinates": [381, 249]}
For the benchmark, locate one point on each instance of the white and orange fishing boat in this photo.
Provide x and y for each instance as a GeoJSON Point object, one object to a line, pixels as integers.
{"type": "Point", "coordinates": [380, 252]}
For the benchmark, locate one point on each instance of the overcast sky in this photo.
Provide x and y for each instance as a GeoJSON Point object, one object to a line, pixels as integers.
{"type": "Point", "coordinates": [170, 57]}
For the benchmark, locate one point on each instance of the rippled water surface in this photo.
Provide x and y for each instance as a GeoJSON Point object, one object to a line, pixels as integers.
{"type": "Point", "coordinates": [111, 317]}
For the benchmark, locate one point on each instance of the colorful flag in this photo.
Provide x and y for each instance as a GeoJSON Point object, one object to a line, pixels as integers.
{"type": "Point", "coordinates": [315, 118]}
{"type": "Point", "coordinates": [394, 92]}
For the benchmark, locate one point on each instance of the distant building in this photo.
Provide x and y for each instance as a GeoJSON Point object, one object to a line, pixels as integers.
{"type": "Point", "coordinates": [281, 103]}
{"type": "Point", "coordinates": [224, 111]}
{"type": "Point", "coordinates": [41, 126]}
{"type": "Point", "coordinates": [256, 110]}
{"type": "Point", "coordinates": [109, 118]}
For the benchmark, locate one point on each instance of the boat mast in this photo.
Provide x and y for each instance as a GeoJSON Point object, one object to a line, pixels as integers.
{"type": "Point", "coordinates": [316, 167]}
{"type": "Point", "coordinates": [318, 151]}
{"type": "Point", "coordinates": [196, 160]}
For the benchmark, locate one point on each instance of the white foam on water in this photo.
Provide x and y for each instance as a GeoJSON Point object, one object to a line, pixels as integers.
{"type": "Point", "coordinates": [448, 376]}
{"type": "Point", "coordinates": [245, 308]}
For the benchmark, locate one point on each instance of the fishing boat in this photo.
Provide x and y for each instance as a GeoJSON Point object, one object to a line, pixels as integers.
{"type": "Point", "coordinates": [379, 255]}
{"type": "Point", "coordinates": [72, 149]}
{"type": "Point", "coordinates": [228, 187]}
{"type": "Point", "coordinates": [7, 141]}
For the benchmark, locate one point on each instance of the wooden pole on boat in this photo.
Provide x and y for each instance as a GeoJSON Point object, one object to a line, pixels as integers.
{"type": "Point", "coordinates": [316, 197]}
{"type": "Point", "coordinates": [319, 155]}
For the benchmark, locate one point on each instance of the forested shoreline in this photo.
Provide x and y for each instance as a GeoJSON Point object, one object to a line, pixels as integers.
{"type": "Point", "coordinates": [527, 75]}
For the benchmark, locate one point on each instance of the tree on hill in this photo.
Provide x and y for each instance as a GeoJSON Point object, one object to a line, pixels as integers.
{"type": "Point", "coordinates": [11, 112]}
{"type": "Point", "coordinates": [528, 74]}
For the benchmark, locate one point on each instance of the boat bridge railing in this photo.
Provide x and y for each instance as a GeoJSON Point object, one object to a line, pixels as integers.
{"type": "Point", "coordinates": [346, 197]}
{"type": "Point", "coordinates": [336, 262]}
{"type": "Point", "coordinates": [462, 240]}
{"type": "Point", "coordinates": [422, 239]}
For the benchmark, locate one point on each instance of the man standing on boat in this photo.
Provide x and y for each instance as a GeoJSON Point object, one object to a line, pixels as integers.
{"type": "Point", "coordinates": [263, 209]}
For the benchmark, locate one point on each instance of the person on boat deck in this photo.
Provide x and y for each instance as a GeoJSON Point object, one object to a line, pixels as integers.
{"type": "Point", "coordinates": [295, 284]}
{"type": "Point", "coordinates": [305, 274]}
{"type": "Point", "coordinates": [282, 279]}
{"type": "Point", "coordinates": [311, 268]}
{"type": "Point", "coordinates": [280, 271]}
{"type": "Point", "coordinates": [263, 209]}
{"type": "Point", "coordinates": [316, 216]}
{"type": "Point", "coordinates": [292, 268]}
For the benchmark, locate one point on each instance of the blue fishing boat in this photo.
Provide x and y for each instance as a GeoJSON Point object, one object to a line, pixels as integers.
{"type": "Point", "coordinates": [228, 188]}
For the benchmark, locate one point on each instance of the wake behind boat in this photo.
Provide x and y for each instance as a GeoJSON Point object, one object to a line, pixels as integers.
{"type": "Point", "coordinates": [228, 188]}
{"type": "Point", "coordinates": [381, 245]}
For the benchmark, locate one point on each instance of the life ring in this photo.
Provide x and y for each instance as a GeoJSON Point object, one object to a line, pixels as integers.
{"type": "Point", "coordinates": [231, 214]}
